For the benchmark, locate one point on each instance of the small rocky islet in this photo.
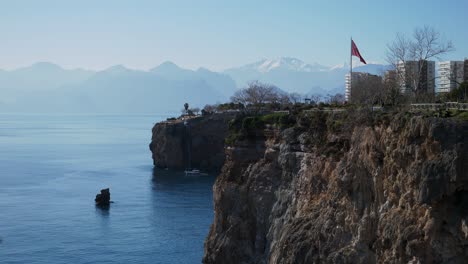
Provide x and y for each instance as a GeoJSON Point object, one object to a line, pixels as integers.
{"type": "Point", "coordinates": [103, 198]}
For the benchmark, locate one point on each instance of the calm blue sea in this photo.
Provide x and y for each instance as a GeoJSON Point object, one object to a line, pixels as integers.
{"type": "Point", "coordinates": [51, 168]}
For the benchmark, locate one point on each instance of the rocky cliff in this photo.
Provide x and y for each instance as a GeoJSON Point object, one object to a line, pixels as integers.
{"type": "Point", "coordinates": [196, 142]}
{"type": "Point", "coordinates": [338, 189]}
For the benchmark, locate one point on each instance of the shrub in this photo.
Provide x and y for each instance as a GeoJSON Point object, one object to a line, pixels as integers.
{"type": "Point", "coordinates": [461, 115]}
{"type": "Point", "coordinates": [286, 121]}
{"type": "Point", "coordinates": [272, 118]}
{"type": "Point", "coordinates": [232, 138]}
{"type": "Point", "coordinates": [252, 123]}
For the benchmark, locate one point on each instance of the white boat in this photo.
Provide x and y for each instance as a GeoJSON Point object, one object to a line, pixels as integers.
{"type": "Point", "coordinates": [192, 172]}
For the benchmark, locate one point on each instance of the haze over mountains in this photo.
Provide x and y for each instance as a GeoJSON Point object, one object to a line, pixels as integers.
{"type": "Point", "coordinates": [294, 75]}
{"type": "Point", "coordinates": [45, 87]}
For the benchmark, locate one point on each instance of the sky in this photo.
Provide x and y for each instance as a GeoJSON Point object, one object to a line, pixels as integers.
{"type": "Point", "coordinates": [214, 34]}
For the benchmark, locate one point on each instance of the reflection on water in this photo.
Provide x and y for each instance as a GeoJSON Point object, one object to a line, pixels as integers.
{"type": "Point", "coordinates": [102, 210]}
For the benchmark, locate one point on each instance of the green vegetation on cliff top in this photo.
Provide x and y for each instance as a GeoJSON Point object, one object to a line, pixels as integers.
{"type": "Point", "coordinates": [250, 127]}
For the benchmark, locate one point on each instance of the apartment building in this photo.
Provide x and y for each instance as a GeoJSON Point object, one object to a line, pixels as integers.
{"type": "Point", "coordinates": [416, 75]}
{"type": "Point", "coordinates": [451, 75]}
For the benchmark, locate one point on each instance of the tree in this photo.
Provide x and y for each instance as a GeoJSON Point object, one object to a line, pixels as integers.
{"type": "Point", "coordinates": [258, 94]}
{"type": "Point", "coordinates": [460, 94]}
{"type": "Point", "coordinates": [367, 90]}
{"type": "Point", "coordinates": [426, 44]}
{"type": "Point", "coordinates": [315, 99]}
{"type": "Point", "coordinates": [295, 98]}
{"type": "Point", "coordinates": [336, 99]}
{"type": "Point", "coordinates": [391, 93]}
{"type": "Point", "coordinates": [186, 107]}
{"type": "Point", "coordinates": [230, 106]}
{"type": "Point", "coordinates": [210, 108]}
{"type": "Point", "coordinates": [195, 110]}
{"type": "Point", "coordinates": [283, 100]}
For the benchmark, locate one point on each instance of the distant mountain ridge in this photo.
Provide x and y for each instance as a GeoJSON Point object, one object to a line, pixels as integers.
{"type": "Point", "coordinates": [47, 87]}
{"type": "Point", "coordinates": [294, 75]}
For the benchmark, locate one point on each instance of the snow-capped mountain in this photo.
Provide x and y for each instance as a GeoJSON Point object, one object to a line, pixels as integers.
{"type": "Point", "coordinates": [284, 64]}
{"type": "Point", "coordinates": [294, 75]}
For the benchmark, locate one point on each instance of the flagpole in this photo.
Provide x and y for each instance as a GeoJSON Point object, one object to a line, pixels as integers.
{"type": "Point", "coordinates": [350, 67]}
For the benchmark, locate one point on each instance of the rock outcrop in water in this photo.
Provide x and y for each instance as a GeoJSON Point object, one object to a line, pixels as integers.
{"type": "Point", "coordinates": [336, 189]}
{"type": "Point", "coordinates": [103, 199]}
{"type": "Point", "coordinates": [198, 143]}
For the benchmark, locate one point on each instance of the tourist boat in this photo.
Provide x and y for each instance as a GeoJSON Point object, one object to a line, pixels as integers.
{"type": "Point", "coordinates": [192, 172]}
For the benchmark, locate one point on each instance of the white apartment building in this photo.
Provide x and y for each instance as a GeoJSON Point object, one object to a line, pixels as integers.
{"type": "Point", "coordinates": [409, 71]}
{"type": "Point", "coordinates": [451, 74]}
{"type": "Point", "coordinates": [347, 87]}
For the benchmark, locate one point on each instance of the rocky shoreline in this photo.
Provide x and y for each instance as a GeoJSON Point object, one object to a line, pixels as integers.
{"type": "Point", "coordinates": [339, 188]}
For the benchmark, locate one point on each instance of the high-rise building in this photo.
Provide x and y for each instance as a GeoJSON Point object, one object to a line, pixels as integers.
{"type": "Point", "coordinates": [390, 76]}
{"type": "Point", "coordinates": [416, 75]}
{"type": "Point", "coordinates": [348, 86]}
{"type": "Point", "coordinates": [465, 77]}
{"type": "Point", "coordinates": [451, 74]}
{"type": "Point", "coordinates": [358, 76]}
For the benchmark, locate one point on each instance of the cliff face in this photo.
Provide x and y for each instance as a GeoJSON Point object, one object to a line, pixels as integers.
{"type": "Point", "coordinates": [200, 142]}
{"type": "Point", "coordinates": [394, 191]}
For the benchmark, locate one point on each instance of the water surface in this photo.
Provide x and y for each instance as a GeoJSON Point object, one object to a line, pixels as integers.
{"type": "Point", "coordinates": [51, 168]}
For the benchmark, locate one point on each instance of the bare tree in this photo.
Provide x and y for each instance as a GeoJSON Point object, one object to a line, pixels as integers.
{"type": "Point", "coordinates": [195, 110]}
{"type": "Point", "coordinates": [315, 98]}
{"type": "Point", "coordinates": [295, 98]}
{"type": "Point", "coordinates": [391, 91]}
{"type": "Point", "coordinates": [367, 90]}
{"type": "Point", "coordinates": [210, 108]}
{"type": "Point", "coordinates": [413, 54]}
{"type": "Point", "coordinates": [336, 99]}
{"type": "Point", "coordinates": [283, 98]}
{"type": "Point", "coordinates": [257, 94]}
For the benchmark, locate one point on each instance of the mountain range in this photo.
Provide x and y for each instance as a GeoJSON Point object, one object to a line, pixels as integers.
{"type": "Point", "coordinates": [46, 87]}
{"type": "Point", "coordinates": [294, 75]}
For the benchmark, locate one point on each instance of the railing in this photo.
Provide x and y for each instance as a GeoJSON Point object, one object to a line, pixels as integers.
{"type": "Point", "coordinates": [457, 106]}
{"type": "Point", "coordinates": [333, 110]}
{"type": "Point", "coordinates": [435, 107]}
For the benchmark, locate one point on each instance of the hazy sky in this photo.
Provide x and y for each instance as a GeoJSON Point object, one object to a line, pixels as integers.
{"type": "Point", "coordinates": [214, 34]}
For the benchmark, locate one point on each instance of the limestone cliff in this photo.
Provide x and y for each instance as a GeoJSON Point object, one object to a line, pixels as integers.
{"type": "Point", "coordinates": [336, 189]}
{"type": "Point", "coordinates": [199, 141]}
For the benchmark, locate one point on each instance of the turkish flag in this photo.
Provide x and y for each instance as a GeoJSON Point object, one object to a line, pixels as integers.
{"type": "Point", "coordinates": [355, 52]}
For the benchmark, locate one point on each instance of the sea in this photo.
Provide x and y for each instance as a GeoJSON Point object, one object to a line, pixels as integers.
{"type": "Point", "coordinates": [52, 167]}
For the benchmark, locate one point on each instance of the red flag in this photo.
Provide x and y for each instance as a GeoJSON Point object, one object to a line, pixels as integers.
{"type": "Point", "coordinates": [355, 52]}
